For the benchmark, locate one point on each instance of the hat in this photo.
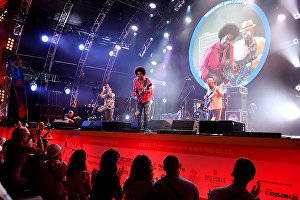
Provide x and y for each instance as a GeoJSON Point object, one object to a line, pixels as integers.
{"type": "Point", "coordinates": [247, 24]}
{"type": "Point", "coordinates": [53, 150]}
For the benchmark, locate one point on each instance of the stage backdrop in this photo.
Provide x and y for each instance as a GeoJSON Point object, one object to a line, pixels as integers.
{"type": "Point", "coordinates": [206, 160]}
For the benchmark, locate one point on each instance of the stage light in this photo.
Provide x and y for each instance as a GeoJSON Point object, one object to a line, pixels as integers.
{"type": "Point", "coordinates": [297, 63]}
{"type": "Point", "coordinates": [151, 70]}
{"type": "Point", "coordinates": [164, 100]}
{"type": "Point", "coordinates": [172, 1]}
{"type": "Point", "coordinates": [169, 47]}
{"type": "Point", "coordinates": [290, 111]}
{"type": "Point", "coordinates": [67, 90]}
{"type": "Point", "coordinates": [281, 17]}
{"type": "Point", "coordinates": [2, 96]}
{"type": "Point", "coordinates": [163, 83]}
{"type": "Point", "coordinates": [151, 39]}
{"type": "Point", "coordinates": [111, 53]}
{"type": "Point", "coordinates": [164, 50]}
{"type": "Point", "coordinates": [33, 86]}
{"type": "Point", "coordinates": [10, 44]}
{"type": "Point", "coordinates": [134, 34]}
{"type": "Point", "coordinates": [81, 47]}
{"type": "Point", "coordinates": [151, 15]}
{"type": "Point", "coordinates": [134, 27]}
{"type": "Point", "coordinates": [188, 20]}
{"type": "Point", "coordinates": [188, 9]}
{"type": "Point", "coordinates": [118, 47]}
{"type": "Point", "coordinates": [295, 41]}
{"type": "Point", "coordinates": [154, 63]}
{"type": "Point", "coordinates": [164, 66]}
{"type": "Point", "coordinates": [168, 22]}
{"type": "Point", "coordinates": [152, 5]}
{"type": "Point", "coordinates": [3, 15]}
{"type": "Point", "coordinates": [298, 87]}
{"type": "Point", "coordinates": [296, 15]}
{"type": "Point", "coordinates": [45, 38]}
{"type": "Point", "coordinates": [127, 117]}
{"type": "Point", "coordinates": [166, 35]}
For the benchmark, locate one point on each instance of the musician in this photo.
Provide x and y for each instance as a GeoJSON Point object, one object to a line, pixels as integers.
{"type": "Point", "coordinates": [109, 98]}
{"type": "Point", "coordinates": [216, 105]}
{"type": "Point", "coordinates": [144, 97]}
{"type": "Point", "coordinates": [219, 54]}
{"type": "Point", "coordinates": [70, 117]}
{"type": "Point", "coordinates": [248, 47]}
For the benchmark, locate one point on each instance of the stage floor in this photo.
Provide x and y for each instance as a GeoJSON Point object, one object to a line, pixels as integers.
{"type": "Point", "coordinates": [206, 160]}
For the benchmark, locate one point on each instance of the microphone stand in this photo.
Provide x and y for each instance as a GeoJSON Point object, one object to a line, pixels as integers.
{"type": "Point", "coordinates": [181, 99]}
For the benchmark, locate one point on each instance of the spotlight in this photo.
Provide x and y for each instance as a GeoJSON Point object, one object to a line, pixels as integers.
{"type": "Point", "coordinates": [111, 53]}
{"type": "Point", "coordinates": [163, 83]}
{"type": "Point", "coordinates": [166, 35]}
{"type": "Point", "coordinates": [296, 15]}
{"type": "Point", "coordinates": [164, 50]}
{"type": "Point", "coordinates": [298, 87]}
{"type": "Point", "coordinates": [134, 34]}
{"type": "Point", "coordinates": [67, 90]}
{"type": "Point", "coordinates": [152, 5]}
{"type": "Point", "coordinates": [151, 39]}
{"type": "Point", "coordinates": [188, 20]}
{"type": "Point", "coordinates": [134, 27]}
{"type": "Point", "coordinates": [295, 41]}
{"type": "Point", "coordinates": [164, 100]}
{"type": "Point", "coordinates": [297, 63]}
{"type": "Point", "coordinates": [118, 47]}
{"type": "Point", "coordinates": [45, 38]}
{"type": "Point", "coordinates": [290, 111]}
{"type": "Point", "coordinates": [33, 86]}
{"type": "Point", "coordinates": [168, 22]}
{"type": "Point", "coordinates": [127, 117]}
{"type": "Point", "coordinates": [169, 47]}
{"type": "Point", "coordinates": [151, 70]}
{"type": "Point", "coordinates": [2, 96]}
{"type": "Point", "coordinates": [10, 44]}
{"type": "Point", "coordinates": [281, 17]}
{"type": "Point", "coordinates": [81, 47]}
{"type": "Point", "coordinates": [188, 9]}
{"type": "Point", "coordinates": [154, 63]}
{"type": "Point", "coordinates": [151, 15]}
{"type": "Point", "coordinates": [164, 66]}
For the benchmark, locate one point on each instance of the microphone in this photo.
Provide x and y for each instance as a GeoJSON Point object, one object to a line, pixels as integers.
{"type": "Point", "coordinates": [188, 79]}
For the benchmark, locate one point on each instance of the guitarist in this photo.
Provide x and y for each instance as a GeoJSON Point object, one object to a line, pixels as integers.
{"type": "Point", "coordinates": [143, 93]}
{"type": "Point", "coordinates": [108, 96]}
{"type": "Point", "coordinates": [216, 105]}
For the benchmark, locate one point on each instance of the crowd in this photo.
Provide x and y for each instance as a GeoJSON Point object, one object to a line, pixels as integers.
{"type": "Point", "coordinates": [32, 168]}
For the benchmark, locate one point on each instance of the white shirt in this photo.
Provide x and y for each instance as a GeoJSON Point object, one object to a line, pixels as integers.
{"type": "Point", "coordinates": [216, 102]}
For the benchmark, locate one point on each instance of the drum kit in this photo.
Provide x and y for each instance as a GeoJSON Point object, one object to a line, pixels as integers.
{"type": "Point", "coordinates": [198, 112]}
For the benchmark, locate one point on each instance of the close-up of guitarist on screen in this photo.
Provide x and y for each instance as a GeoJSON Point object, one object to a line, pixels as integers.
{"type": "Point", "coordinates": [213, 100]}
{"type": "Point", "coordinates": [109, 103]}
{"type": "Point", "coordinates": [142, 91]}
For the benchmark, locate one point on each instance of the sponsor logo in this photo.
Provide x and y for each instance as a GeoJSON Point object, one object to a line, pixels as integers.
{"type": "Point", "coordinates": [282, 195]}
{"type": "Point", "coordinates": [214, 178]}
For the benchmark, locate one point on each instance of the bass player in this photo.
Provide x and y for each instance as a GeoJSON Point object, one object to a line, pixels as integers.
{"type": "Point", "coordinates": [142, 90]}
{"type": "Point", "coordinates": [109, 102]}
{"type": "Point", "coordinates": [214, 96]}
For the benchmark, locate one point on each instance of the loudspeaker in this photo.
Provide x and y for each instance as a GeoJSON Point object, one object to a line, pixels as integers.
{"type": "Point", "coordinates": [237, 98]}
{"type": "Point", "coordinates": [133, 123]}
{"type": "Point", "coordinates": [158, 124]}
{"type": "Point", "coordinates": [184, 125]}
{"type": "Point", "coordinates": [97, 125]}
{"type": "Point", "coordinates": [111, 126]}
{"type": "Point", "coordinates": [87, 125]}
{"type": "Point", "coordinates": [63, 124]}
{"type": "Point", "coordinates": [220, 126]}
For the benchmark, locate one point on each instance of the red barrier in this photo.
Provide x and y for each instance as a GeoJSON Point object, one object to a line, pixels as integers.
{"type": "Point", "coordinates": [206, 160]}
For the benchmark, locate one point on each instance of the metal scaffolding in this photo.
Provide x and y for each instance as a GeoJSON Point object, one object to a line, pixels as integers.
{"type": "Point", "coordinates": [80, 66]}
{"type": "Point", "coordinates": [64, 15]}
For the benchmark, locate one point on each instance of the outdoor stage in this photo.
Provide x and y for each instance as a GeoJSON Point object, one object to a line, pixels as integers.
{"type": "Point", "coordinates": [206, 160]}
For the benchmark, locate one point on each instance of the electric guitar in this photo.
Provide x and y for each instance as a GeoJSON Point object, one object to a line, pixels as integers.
{"type": "Point", "coordinates": [138, 98]}
{"type": "Point", "coordinates": [106, 106]}
{"type": "Point", "coordinates": [209, 97]}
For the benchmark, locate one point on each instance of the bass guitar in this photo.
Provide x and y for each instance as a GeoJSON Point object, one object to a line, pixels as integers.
{"type": "Point", "coordinates": [209, 97]}
{"type": "Point", "coordinates": [138, 98]}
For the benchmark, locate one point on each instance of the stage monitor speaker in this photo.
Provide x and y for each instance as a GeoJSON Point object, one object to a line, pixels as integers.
{"type": "Point", "coordinates": [237, 98]}
{"type": "Point", "coordinates": [133, 124]}
{"type": "Point", "coordinates": [159, 124]}
{"type": "Point", "coordinates": [253, 134]}
{"type": "Point", "coordinates": [220, 126]}
{"type": "Point", "coordinates": [87, 125]}
{"type": "Point", "coordinates": [97, 125]}
{"type": "Point", "coordinates": [63, 124]}
{"type": "Point", "coordinates": [112, 126]}
{"type": "Point", "coordinates": [184, 125]}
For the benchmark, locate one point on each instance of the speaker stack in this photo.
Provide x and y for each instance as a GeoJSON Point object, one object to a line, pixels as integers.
{"type": "Point", "coordinates": [237, 105]}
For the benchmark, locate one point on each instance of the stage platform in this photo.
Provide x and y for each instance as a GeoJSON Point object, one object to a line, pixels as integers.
{"type": "Point", "coordinates": [206, 160]}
